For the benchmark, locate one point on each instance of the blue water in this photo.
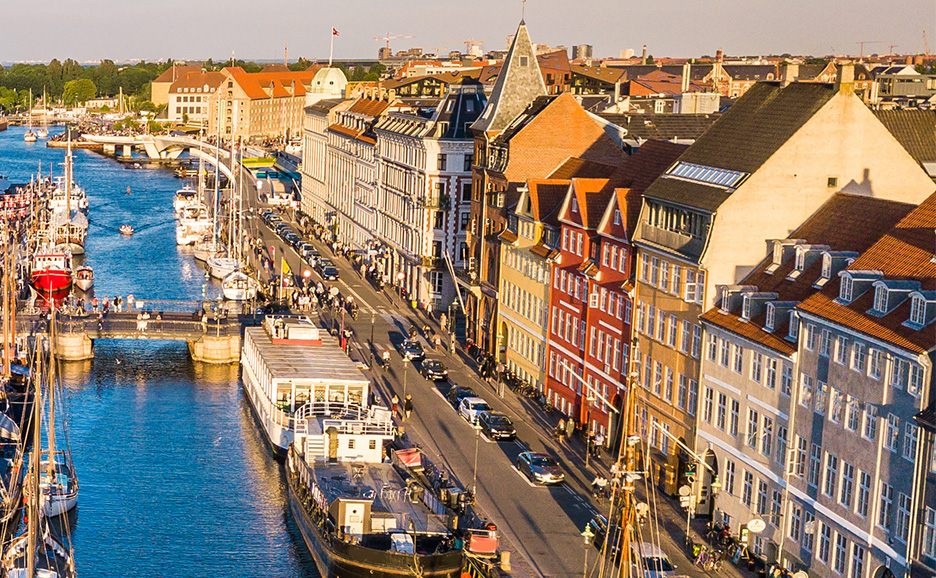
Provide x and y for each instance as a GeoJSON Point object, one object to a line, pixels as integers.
{"type": "Point", "coordinates": [175, 479]}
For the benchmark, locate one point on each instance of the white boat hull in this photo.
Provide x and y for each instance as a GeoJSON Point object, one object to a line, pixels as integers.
{"type": "Point", "coordinates": [84, 284]}
{"type": "Point", "coordinates": [221, 268]}
{"type": "Point", "coordinates": [57, 504]}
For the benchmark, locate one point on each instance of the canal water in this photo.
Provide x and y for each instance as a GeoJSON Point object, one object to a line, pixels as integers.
{"type": "Point", "coordinates": [175, 479]}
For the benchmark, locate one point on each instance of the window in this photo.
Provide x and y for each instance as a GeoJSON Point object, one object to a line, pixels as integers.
{"type": "Point", "coordinates": [837, 405]}
{"type": "Point", "coordinates": [806, 390]}
{"type": "Point", "coordinates": [809, 520]}
{"type": "Point", "coordinates": [696, 341]}
{"type": "Point", "coordinates": [814, 456]}
{"type": "Point", "coordinates": [738, 359]}
{"type": "Point", "coordinates": [676, 279]}
{"type": "Point", "coordinates": [841, 349]}
{"type": "Point", "coordinates": [810, 337]}
{"type": "Point", "coordinates": [902, 520]}
{"type": "Point", "coordinates": [655, 271]}
{"type": "Point", "coordinates": [709, 404]}
{"type": "Point", "coordinates": [761, 497]}
{"type": "Point", "coordinates": [917, 311]}
{"type": "Point", "coordinates": [435, 282]}
{"type": "Point", "coordinates": [751, 433]}
{"type": "Point", "coordinates": [848, 484]}
{"type": "Point", "coordinates": [929, 533]}
{"type": "Point", "coordinates": [725, 352]}
{"type": "Point", "coordinates": [686, 336]}
{"type": "Point", "coordinates": [771, 381]}
{"type": "Point", "coordinates": [693, 396]}
{"type": "Point", "coordinates": [661, 325]}
{"type": "Point", "coordinates": [722, 414]}
{"type": "Point", "coordinates": [831, 475]}
{"type": "Point", "coordinates": [441, 162]}
{"type": "Point", "coordinates": [846, 289]}
{"type": "Point", "coordinates": [712, 347]}
{"type": "Point", "coordinates": [886, 505]}
{"type": "Point", "coordinates": [825, 543]}
{"type": "Point", "coordinates": [800, 458]}
{"type": "Point", "coordinates": [898, 373]}
{"type": "Point", "coordinates": [776, 506]}
{"type": "Point", "coordinates": [892, 433]}
{"type": "Point", "coordinates": [735, 417]}
{"type": "Point", "coordinates": [796, 522]}
{"type": "Point", "coordinates": [747, 491]}
{"type": "Point", "coordinates": [910, 441]}
{"type": "Point", "coordinates": [672, 331]}
{"type": "Point", "coordinates": [825, 343]}
{"type": "Point", "coordinates": [864, 493]}
{"type": "Point", "coordinates": [880, 299]}
{"type": "Point", "coordinates": [853, 414]}
{"type": "Point", "coordinates": [782, 437]}
{"type": "Point", "coordinates": [822, 394]}
{"type": "Point", "coordinates": [786, 379]}
{"type": "Point", "coordinates": [858, 357]}
{"type": "Point", "coordinates": [857, 563]}
{"type": "Point", "coordinates": [664, 276]}
{"type": "Point", "coordinates": [756, 366]}
{"type": "Point", "coordinates": [682, 392]}
{"type": "Point", "coordinates": [874, 364]}
{"type": "Point", "coordinates": [729, 476]}
{"type": "Point", "coordinates": [767, 436]}
{"type": "Point", "coordinates": [915, 382]}
{"type": "Point", "coordinates": [841, 548]}
{"type": "Point", "coordinates": [869, 431]}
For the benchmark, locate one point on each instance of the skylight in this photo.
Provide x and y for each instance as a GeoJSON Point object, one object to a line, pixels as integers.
{"type": "Point", "coordinates": [707, 175]}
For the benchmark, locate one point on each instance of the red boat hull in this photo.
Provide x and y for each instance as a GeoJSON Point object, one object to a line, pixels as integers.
{"type": "Point", "coordinates": [52, 282]}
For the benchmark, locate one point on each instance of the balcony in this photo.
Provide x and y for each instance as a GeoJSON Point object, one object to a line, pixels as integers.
{"type": "Point", "coordinates": [678, 242]}
{"type": "Point", "coordinates": [432, 262]}
{"type": "Point", "coordinates": [435, 201]}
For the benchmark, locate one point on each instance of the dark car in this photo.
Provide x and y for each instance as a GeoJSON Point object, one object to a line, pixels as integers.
{"type": "Point", "coordinates": [434, 370]}
{"type": "Point", "coordinates": [599, 527]}
{"type": "Point", "coordinates": [496, 426]}
{"type": "Point", "coordinates": [320, 264]}
{"type": "Point", "coordinates": [540, 468]}
{"type": "Point", "coordinates": [456, 394]}
{"type": "Point", "coordinates": [329, 273]}
{"type": "Point", "coordinates": [411, 350]}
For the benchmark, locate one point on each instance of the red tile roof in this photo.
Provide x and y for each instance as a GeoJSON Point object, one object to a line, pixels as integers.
{"type": "Point", "coordinates": [546, 196]}
{"type": "Point", "coordinates": [868, 220]}
{"type": "Point", "coordinates": [255, 84]}
{"type": "Point", "coordinates": [176, 72]}
{"type": "Point", "coordinates": [369, 106]}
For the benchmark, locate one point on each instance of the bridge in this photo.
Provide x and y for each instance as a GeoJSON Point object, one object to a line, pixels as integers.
{"type": "Point", "coordinates": [212, 337]}
{"type": "Point", "coordinates": [156, 146]}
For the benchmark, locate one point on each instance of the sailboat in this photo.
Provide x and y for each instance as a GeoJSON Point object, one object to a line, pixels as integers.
{"type": "Point", "coordinates": [14, 405]}
{"type": "Point", "coordinates": [237, 285]}
{"type": "Point", "coordinates": [221, 266]}
{"type": "Point", "coordinates": [37, 553]}
{"type": "Point", "coordinates": [43, 131]}
{"type": "Point", "coordinates": [30, 136]}
{"type": "Point", "coordinates": [69, 226]}
{"type": "Point", "coordinates": [208, 246]}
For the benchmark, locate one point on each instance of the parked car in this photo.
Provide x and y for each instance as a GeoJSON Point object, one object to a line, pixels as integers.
{"type": "Point", "coordinates": [457, 393]}
{"type": "Point", "coordinates": [411, 350]}
{"type": "Point", "coordinates": [470, 407]}
{"type": "Point", "coordinates": [540, 468]}
{"type": "Point", "coordinates": [650, 561]}
{"type": "Point", "coordinates": [320, 265]}
{"type": "Point", "coordinates": [329, 273]}
{"type": "Point", "coordinates": [599, 527]}
{"type": "Point", "coordinates": [496, 426]}
{"type": "Point", "coordinates": [433, 370]}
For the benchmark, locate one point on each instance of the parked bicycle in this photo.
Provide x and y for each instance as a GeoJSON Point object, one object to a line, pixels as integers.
{"type": "Point", "coordinates": [709, 558]}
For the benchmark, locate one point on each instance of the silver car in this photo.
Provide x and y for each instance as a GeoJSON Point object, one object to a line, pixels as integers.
{"type": "Point", "coordinates": [540, 468]}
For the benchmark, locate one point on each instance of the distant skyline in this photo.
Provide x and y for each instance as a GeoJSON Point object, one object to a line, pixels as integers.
{"type": "Point", "coordinates": [182, 29]}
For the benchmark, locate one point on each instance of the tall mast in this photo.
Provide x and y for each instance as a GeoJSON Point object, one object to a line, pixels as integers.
{"type": "Point", "coordinates": [217, 199]}
{"type": "Point", "coordinates": [231, 211]}
{"type": "Point", "coordinates": [7, 309]}
{"type": "Point", "coordinates": [32, 505]}
{"type": "Point", "coordinates": [51, 434]}
{"type": "Point", "coordinates": [68, 181]}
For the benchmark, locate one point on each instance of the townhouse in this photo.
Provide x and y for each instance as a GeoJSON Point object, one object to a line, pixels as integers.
{"type": "Point", "coordinates": [765, 166]}
{"type": "Point", "coordinates": [748, 427]}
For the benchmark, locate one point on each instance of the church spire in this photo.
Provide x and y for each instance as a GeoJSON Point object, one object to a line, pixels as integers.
{"type": "Point", "coordinates": [518, 84]}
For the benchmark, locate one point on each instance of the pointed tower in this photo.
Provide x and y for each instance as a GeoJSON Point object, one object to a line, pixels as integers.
{"type": "Point", "coordinates": [518, 84]}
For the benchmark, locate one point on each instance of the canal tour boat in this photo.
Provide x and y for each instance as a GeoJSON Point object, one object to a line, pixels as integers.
{"type": "Point", "coordinates": [84, 277]}
{"type": "Point", "coordinates": [289, 364]}
{"type": "Point", "coordinates": [238, 286]}
{"type": "Point", "coordinates": [185, 197]}
{"type": "Point", "coordinates": [52, 271]}
{"type": "Point", "coordinates": [192, 225]}
{"type": "Point", "coordinates": [362, 515]}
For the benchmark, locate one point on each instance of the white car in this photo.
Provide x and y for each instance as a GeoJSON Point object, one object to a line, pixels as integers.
{"type": "Point", "coordinates": [651, 561]}
{"type": "Point", "coordinates": [470, 407]}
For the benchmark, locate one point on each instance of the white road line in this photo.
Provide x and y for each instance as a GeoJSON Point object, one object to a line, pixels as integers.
{"type": "Point", "coordinates": [568, 489]}
{"type": "Point", "coordinates": [519, 443]}
{"type": "Point", "coordinates": [439, 393]}
{"type": "Point", "coordinates": [525, 479]}
{"type": "Point", "coordinates": [364, 304]}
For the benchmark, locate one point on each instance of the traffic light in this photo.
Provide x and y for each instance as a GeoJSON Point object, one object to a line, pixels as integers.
{"type": "Point", "coordinates": [690, 472]}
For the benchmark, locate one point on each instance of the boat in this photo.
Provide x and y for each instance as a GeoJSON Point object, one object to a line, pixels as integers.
{"type": "Point", "coordinates": [206, 248]}
{"type": "Point", "coordinates": [38, 552]}
{"type": "Point", "coordinates": [192, 224]}
{"type": "Point", "coordinates": [238, 286]}
{"type": "Point", "coordinates": [29, 135]}
{"type": "Point", "coordinates": [185, 197]}
{"type": "Point", "coordinates": [84, 277]}
{"type": "Point", "coordinates": [181, 173]}
{"type": "Point", "coordinates": [289, 363]}
{"type": "Point", "coordinates": [220, 267]}
{"type": "Point", "coordinates": [51, 271]}
{"type": "Point", "coordinates": [126, 230]}
{"type": "Point", "coordinates": [15, 404]}
{"type": "Point", "coordinates": [43, 131]}
{"type": "Point", "coordinates": [69, 230]}
{"type": "Point", "coordinates": [66, 195]}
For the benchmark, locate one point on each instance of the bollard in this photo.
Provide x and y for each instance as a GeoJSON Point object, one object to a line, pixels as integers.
{"type": "Point", "coordinates": [505, 561]}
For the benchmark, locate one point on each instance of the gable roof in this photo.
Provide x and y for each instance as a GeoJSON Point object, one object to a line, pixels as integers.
{"type": "Point", "coordinates": [662, 126]}
{"type": "Point", "coordinates": [518, 83]}
{"type": "Point", "coordinates": [546, 197]}
{"type": "Point", "coordinates": [905, 253]}
{"type": "Point", "coordinates": [914, 129]}
{"type": "Point", "coordinates": [256, 84]}
{"type": "Point", "coordinates": [174, 73]}
{"type": "Point", "coordinates": [369, 106]}
{"type": "Point", "coordinates": [198, 80]}
{"type": "Point", "coordinates": [578, 167]}
{"type": "Point", "coordinates": [868, 220]}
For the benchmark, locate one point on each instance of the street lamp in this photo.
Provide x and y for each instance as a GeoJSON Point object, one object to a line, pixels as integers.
{"type": "Point", "coordinates": [405, 365]}
{"type": "Point", "coordinates": [587, 536]}
{"type": "Point", "coordinates": [474, 475]}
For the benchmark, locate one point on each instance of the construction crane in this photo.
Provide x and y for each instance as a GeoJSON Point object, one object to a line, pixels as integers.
{"type": "Point", "coordinates": [890, 49]}
{"type": "Point", "coordinates": [471, 43]}
{"type": "Point", "coordinates": [862, 45]}
{"type": "Point", "coordinates": [388, 37]}
{"type": "Point", "coordinates": [925, 44]}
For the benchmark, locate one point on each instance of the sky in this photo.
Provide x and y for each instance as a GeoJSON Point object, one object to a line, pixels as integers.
{"type": "Point", "coordinates": [124, 30]}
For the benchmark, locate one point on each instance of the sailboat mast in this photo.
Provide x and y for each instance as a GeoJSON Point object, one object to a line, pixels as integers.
{"type": "Point", "coordinates": [231, 205]}
{"type": "Point", "coordinates": [7, 309]}
{"type": "Point", "coordinates": [51, 434]}
{"type": "Point", "coordinates": [68, 181]}
{"type": "Point", "coordinates": [217, 199]}
{"type": "Point", "coordinates": [32, 505]}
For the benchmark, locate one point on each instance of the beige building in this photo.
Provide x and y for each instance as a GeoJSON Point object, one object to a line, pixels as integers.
{"type": "Point", "coordinates": [189, 97]}
{"type": "Point", "coordinates": [159, 88]}
{"type": "Point", "coordinates": [260, 105]}
{"type": "Point", "coordinates": [768, 164]}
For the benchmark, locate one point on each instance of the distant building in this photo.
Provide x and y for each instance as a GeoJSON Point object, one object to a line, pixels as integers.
{"type": "Point", "coordinates": [189, 97]}
{"type": "Point", "coordinates": [159, 88]}
{"type": "Point", "coordinates": [582, 52]}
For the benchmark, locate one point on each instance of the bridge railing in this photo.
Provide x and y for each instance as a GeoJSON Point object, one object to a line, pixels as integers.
{"type": "Point", "coordinates": [122, 324]}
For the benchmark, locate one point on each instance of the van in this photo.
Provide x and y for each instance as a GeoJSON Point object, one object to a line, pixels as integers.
{"type": "Point", "coordinates": [650, 561]}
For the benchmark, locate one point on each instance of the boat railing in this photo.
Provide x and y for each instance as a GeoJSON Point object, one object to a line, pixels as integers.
{"type": "Point", "coordinates": [360, 426]}
{"type": "Point", "coordinates": [346, 418]}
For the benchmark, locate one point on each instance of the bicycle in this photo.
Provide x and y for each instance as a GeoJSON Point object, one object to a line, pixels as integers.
{"type": "Point", "coordinates": [709, 559]}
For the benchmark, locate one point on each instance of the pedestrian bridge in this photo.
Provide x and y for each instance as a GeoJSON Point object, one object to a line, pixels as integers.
{"type": "Point", "coordinates": [156, 146]}
{"type": "Point", "coordinates": [211, 337]}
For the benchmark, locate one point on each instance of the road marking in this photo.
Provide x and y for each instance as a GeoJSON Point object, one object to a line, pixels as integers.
{"type": "Point", "coordinates": [570, 490]}
{"type": "Point", "coordinates": [519, 443]}
{"type": "Point", "coordinates": [525, 479]}
{"type": "Point", "coordinates": [439, 393]}
{"type": "Point", "coordinates": [364, 304]}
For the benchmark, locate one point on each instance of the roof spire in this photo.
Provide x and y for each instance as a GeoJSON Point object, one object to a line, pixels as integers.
{"type": "Point", "coordinates": [523, 12]}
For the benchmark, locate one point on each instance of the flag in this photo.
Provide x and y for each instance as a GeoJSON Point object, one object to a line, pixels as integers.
{"type": "Point", "coordinates": [335, 31]}
{"type": "Point", "coordinates": [286, 269]}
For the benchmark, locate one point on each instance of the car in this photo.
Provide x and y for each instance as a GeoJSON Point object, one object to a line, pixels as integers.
{"type": "Point", "coordinates": [650, 561]}
{"type": "Point", "coordinates": [599, 527]}
{"type": "Point", "coordinates": [540, 468]}
{"type": "Point", "coordinates": [411, 350]}
{"type": "Point", "coordinates": [470, 407]}
{"type": "Point", "coordinates": [496, 426]}
{"type": "Point", "coordinates": [457, 393]}
{"type": "Point", "coordinates": [433, 370]}
{"type": "Point", "coordinates": [320, 264]}
{"type": "Point", "coordinates": [281, 228]}
{"type": "Point", "coordinates": [329, 273]}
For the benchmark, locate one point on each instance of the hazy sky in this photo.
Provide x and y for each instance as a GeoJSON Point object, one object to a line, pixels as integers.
{"type": "Point", "coordinates": [197, 29]}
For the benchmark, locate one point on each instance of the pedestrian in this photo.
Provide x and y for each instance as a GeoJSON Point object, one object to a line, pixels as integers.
{"type": "Point", "coordinates": [570, 428]}
{"type": "Point", "coordinates": [599, 443]}
{"type": "Point", "coordinates": [560, 429]}
{"type": "Point", "coordinates": [408, 406]}
{"type": "Point", "coordinates": [395, 403]}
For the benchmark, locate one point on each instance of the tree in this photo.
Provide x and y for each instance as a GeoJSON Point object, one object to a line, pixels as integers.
{"type": "Point", "coordinates": [649, 59]}
{"type": "Point", "coordinates": [78, 91]}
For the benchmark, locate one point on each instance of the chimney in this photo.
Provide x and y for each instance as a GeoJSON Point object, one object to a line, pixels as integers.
{"type": "Point", "coordinates": [617, 91]}
{"type": "Point", "coordinates": [643, 55]}
{"type": "Point", "coordinates": [686, 70]}
{"type": "Point", "coordinates": [845, 77]}
{"type": "Point", "coordinates": [719, 55]}
{"type": "Point", "coordinates": [789, 73]}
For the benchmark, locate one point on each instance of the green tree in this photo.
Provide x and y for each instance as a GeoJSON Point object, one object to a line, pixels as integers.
{"type": "Point", "coordinates": [78, 91]}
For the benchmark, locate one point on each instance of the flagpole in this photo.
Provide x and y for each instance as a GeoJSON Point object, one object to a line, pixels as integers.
{"type": "Point", "coordinates": [331, 49]}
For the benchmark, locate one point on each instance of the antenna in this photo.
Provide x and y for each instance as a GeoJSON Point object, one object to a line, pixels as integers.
{"type": "Point", "coordinates": [523, 11]}
{"type": "Point", "coordinates": [925, 44]}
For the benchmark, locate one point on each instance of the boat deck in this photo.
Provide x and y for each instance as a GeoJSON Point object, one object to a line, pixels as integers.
{"type": "Point", "coordinates": [391, 496]}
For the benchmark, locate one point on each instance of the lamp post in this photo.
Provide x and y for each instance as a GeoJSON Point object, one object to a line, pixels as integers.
{"type": "Point", "coordinates": [587, 536]}
{"type": "Point", "coordinates": [474, 475]}
{"type": "Point", "coordinates": [405, 365]}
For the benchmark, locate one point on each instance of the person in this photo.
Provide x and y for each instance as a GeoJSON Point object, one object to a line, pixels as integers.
{"type": "Point", "coordinates": [561, 429]}
{"type": "Point", "coordinates": [395, 403]}
{"type": "Point", "coordinates": [386, 358]}
{"type": "Point", "coordinates": [599, 486]}
{"type": "Point", "coordinates": [408, 406]}
{"type": "Point", "coordinates": [570, 428]}
{"type": "Point", "coordinates": [599, 443]}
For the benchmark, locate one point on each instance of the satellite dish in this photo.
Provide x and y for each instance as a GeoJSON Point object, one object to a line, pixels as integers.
{"type": "Point", "coordinates": [684, 491]}
{"type": "Point", "coordinates": [756, 526]}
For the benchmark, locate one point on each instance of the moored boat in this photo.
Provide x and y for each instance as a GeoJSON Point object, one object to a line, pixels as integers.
{"type": "Point", "coordinates": [126, 230]}
{"type": "Point", "coordinates": [51, 271]}
{"type": "Point", "coordinates": [70, 230]}
{"type": "Point", "coordinates": [185, 197]}
{"type": "Point", "coordinates": [220, 267]}
{"type": "Point", "coordinates": [238, 286]}
{"type": "Point", "coordinates": [84, 277]}
{"type": "Point", "coordinates": [206, 248]}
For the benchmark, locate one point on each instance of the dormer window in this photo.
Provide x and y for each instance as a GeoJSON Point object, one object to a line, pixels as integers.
{"type": "Point", "coordinates": [880, 299]}
{"type": "Point", "coordinates": [617, 217]}
{"type": "Point", "coordinates": [846, 289]}
{"type": "Point", "coordinates": [574, 205]}
{"type": "Point", "coordinates": [794, 327]}
{"type": "Point", "coordinates": [771, 317]}
{"type": "Point", "coordinates": [826, 266]}
{"type": "Point", "coordinates": [800, 260]}
{"type": "Point", "coordinates": [746, 308]}
{"type": "Point", "coordinates": [917, 310]}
